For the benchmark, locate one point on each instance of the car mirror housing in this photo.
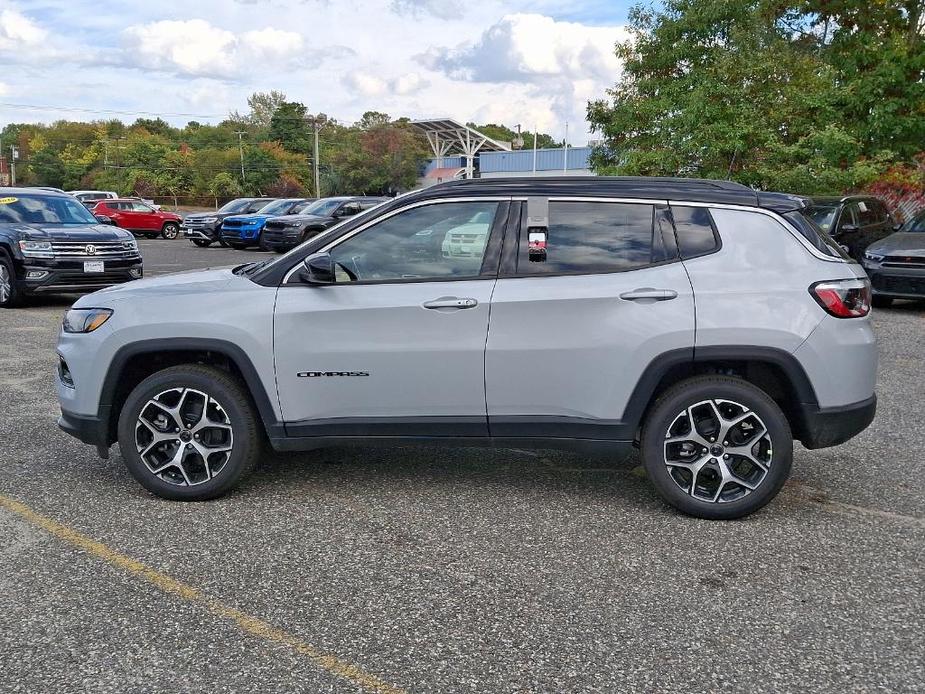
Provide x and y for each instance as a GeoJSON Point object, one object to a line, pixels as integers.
{"type": "Point", "coordinates": [103, 219]}
{"type": "Point", "coordinates": [318, 268]}
{"type": "Point", "coordinates": [848, 228]}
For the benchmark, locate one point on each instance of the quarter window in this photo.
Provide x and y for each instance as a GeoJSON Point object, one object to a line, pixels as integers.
{"type": "Point", "coordinates": [439, 241]}
{"type": "Point", "coordinates": [694, 227]}
{"type": "Point", "coordinates": [594, 237]}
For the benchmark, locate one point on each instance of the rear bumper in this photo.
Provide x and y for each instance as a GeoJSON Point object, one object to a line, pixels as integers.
{"type": "Point", "coordinates": [829, 426]}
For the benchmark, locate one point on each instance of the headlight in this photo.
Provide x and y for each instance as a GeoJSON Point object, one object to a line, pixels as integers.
{"type": "Point", "coordinates": [207, 220]}
{"type": "Point", "coordinates": [294, 224]}
{"type": "Point", "coordinates": [130, 244]}
{"type": "Point", "coordinates": [85, 320]}
{"type": "Point", "coordinates": [36, 249]}
{"type": "Point", "coordinates": [875, 257]}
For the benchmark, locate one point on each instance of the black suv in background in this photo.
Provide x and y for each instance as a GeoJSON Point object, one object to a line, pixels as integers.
{"type": "Point", "coordinates": [854, 221]}
{"type": "Point", "coordinates": [204, 228]}
{"type": "Point", "coordinates": [283, 233]}
{"type": "Point", "coordinates": [50, 242]}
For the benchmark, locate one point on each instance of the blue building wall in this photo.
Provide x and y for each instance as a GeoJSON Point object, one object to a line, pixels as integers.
{"type": "Point", "coordinates": [521, 161]}
{"type": "Point", "coordinates": [447, 162]}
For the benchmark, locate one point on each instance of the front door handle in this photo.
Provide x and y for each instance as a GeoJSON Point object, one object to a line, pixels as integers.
{"type": "Point", "coordinates": [451, 302]}
{"type": "Point", "coordinates": [650, 294]}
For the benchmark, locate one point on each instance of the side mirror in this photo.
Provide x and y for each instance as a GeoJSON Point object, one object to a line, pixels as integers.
{"type": "Point", "coordinates": [103, 219]}
{"type": "Point", "coordinates": [318, 268]}
{"type": "Point", "coordinates": [848, 228]}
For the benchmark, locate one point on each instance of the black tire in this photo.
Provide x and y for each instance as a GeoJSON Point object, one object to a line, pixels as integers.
{"type": "Point", "coordinates": [669, 409]}
{"type": "Point", "coordinates": [170, 231]}
{"type": "Point", "coordinates": [881, 301]}
{"type": "Point", "coordinates": [246, 444]}
{"type": "Point", "coordinates": [202, 243]}
{"type": "Point", "coordinates": [150, 236]}
{"type": "Point", "coordinates": [238, 246]}
{"type": "Point", "coordinates": [13, 296]}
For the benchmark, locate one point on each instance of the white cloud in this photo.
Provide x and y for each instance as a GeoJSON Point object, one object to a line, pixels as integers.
{"type": "Point", "coordinates": [367, 84]}
{"type": "Point", "coordinates": [4, 89]}
{"type": "Point", "coordinates": [272, 43]}
{"type": "Point", "coordinates": [18, 31]}
{"type": "Point", "coordinates": [442, 9]}
{"type": "Point", "coordinates": [531, 47]}
{"type": "Point", "coordinates": [409, 83]}
{"type": "Point", "coordinates": [194, 46]}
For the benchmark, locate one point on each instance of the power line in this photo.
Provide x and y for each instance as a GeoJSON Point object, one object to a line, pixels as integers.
{"type": "Point", "coordinates": [75, 109]}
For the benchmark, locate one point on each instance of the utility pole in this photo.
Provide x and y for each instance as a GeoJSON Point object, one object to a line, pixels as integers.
{"type": "Point", "coordinates": [105, 152]}
{"type": "Point", "coordinates": [241, 134]}
{"type": "Point", "coordinates": [535, 138]}
{"type": "Point", "coordinates": [316, 127]}
{"type": "Point", "coordinates": [14, 155]}
{"type": "Point", "coordinates": [565, 151]}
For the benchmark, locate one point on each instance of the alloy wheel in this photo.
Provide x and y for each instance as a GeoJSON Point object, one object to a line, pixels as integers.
{"type": "Point", "coordinates": [6, 284]}
{"type": "Point", "coordinates": [718, 451]}
{"type": "Point", "coordinates": [184, 436]}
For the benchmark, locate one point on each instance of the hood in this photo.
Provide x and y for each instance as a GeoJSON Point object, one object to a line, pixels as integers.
{"type": "Point", "coordinates": [72, 232]}
{"type": "Point", "coordinates": [177, 283]}
{"type": "Point", "coordinates": [252, 217]}
{"type": "Point", "coordinates": [304, 218]}
{"type": "Point", "coordinates": [210, 215]}
{"type": "Point", "coordinates": [911, 243]}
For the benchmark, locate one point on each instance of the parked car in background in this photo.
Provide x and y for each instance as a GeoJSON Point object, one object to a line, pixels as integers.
{"type": "Point", "coordinates": [283, 233]}
{"type": "Point", "coordinates": [243, 230]}
{"type": "Point", "coordinates": [140, 218]}
{"type": "Point", "coordinates": [49, 242]}
{"type": "Point", "coordinates": [854, 221]}
{"type": "Point", "coordinates": [91, 197]}
{"type": "Point", "coordinates": [204, 228]}
{"type": "Point", "coordinates": [896, 264]}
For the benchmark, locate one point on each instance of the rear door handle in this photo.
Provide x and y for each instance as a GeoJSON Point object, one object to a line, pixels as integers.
{"type": "Point", "coordinates": [649, 293]}
{"type": "Point", "coordinates": [451, 302]}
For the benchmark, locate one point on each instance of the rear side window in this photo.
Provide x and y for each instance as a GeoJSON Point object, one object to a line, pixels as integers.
{"type": "Point", "coordinates": [696, 233]}
{"type": "Point", "coordinates": [820, 240]}
{"type": "Point", "coordinates": [595, 237]}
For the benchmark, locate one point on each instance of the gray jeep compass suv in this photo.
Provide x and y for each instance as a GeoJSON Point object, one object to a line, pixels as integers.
{"type": "Point", "coordinates": [703, 322]}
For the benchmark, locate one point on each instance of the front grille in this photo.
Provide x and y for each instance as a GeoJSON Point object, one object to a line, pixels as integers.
{"type": "Point", "coordinates": [101, 250]}
{"type": "Point", "coordinates": [194, 223]}
{"type": "Point", "coordinates": [231, 233]}
{"type": "Point", "coordinates": [235, 223]}
{"type": "Point", "coordinates": [904, 261]}
{"type": "Point", "coordinates": [275, 225]}
{"type": "Point", "coordinates": [899, 285]}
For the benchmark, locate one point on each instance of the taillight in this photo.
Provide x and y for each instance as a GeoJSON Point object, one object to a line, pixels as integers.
{"type": "Point", "coordinates": [843, 298]}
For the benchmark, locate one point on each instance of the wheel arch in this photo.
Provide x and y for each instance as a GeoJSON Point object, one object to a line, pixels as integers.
{"type": "Point", "coordinates": [777, 372]}
{"type": "Point", "coordinates": [135, 362]}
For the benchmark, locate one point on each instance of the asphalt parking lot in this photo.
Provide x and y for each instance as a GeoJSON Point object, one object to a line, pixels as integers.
{"type": "Point", "coordinates": [444, 570]}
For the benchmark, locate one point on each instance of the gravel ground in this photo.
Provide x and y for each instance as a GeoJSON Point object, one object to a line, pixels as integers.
{"type": "Point", "coordinates": [454, 570]}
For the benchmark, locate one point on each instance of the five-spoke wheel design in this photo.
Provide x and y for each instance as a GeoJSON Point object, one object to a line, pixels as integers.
{"type": "Point", "coordinates": [184, 436]}
{"type": "Point", "coordinates": [718, 450]}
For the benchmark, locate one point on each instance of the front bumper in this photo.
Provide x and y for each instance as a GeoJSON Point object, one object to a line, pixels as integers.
{"type": "Point", "coordinates": [203, 233]}
{"type": "Point", "coordinates": [281, 240]}
{"type": "Point", "coordinates": [829, 426]}
{"type": "Point", "coordinates": [87, 429]}
{"type": "Point", "coordinates": [896, 282]}
{"type": "Point", "coordinates": [245, 235]}
{"type": "Point", "coordinates": [69, 275]}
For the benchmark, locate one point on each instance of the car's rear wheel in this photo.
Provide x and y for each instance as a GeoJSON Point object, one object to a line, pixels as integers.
{"type": "Point", "coordinates": [881, 301]}
{"type": "Point", "coordinates": [10, 293]}
{"type": "Point", "coordinates": [189, 433]}
{"type": "Point", "coordinates": [202, 243]}
{"type": "Point", "coordinates": [170, 231]}
{"type": "Point", "coordinates": [717, 447]}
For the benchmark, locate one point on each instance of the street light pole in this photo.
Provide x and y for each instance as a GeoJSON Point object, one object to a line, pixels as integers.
{"type": "Point", "coordinates": [241, 134]}
{"type": "Point", "coordinates": [14, 155]}
{"type": "Point", "coordinates": [315, 161]}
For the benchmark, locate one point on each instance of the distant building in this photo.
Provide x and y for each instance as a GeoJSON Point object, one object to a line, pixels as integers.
{"type": "Point", "coordinates": [549, 162]}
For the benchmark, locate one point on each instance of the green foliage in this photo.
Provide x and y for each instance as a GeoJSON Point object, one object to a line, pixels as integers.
{"type": "Point", "coordinates": [815, 96]}
{"type": "Point", "coordinates": [289, 128]}
{"type": "Point", "coordinates": [502, 133]}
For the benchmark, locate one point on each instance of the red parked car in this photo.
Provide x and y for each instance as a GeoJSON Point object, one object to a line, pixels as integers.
{"type": "Point", "coordinates": [140, 218]}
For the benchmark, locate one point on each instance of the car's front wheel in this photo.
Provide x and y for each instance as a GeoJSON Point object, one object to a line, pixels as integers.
{"type": "Point", "coordinates": [10, 293]}
{"type": "Point", "coordinates": [202, 243]}
{"type": "Point", "coordinates": [189, 433]}
{"type": "Point", "coordinates": [170, 231]}
{"type": "Point", "coordinates": [716, 447]}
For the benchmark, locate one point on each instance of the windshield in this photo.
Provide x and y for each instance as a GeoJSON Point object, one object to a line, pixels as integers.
{"type": "Point", "coordinates": [323, 208]}
{"type": "Point", "coordinates": [822, 216]}
{"type": "Point", "coordinates": [302, 206]}
{"type": "Point", "coordinates": [235, 206]}
{"type": "Point", "coordinates": [277, 207]}
{"type": "Point", "coordinates": [917, 223]}
{"type": "Point", "coordinates": [39, 209]}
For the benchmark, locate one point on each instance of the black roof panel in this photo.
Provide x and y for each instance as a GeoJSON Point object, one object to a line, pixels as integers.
{"type": "Point", "coordinates": [643, 187]}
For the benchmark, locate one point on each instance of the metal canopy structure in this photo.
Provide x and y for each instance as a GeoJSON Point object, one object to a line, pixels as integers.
{"type": "Point", "coordinates": [447, 136]}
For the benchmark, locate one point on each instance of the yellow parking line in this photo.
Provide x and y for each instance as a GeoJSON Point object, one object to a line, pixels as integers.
{"type": "Point", "coordinates": [247, 623]}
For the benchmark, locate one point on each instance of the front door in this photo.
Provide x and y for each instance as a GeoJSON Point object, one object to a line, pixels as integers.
{"type": "Point", "coordinates": [396, 346]}
{"type": "Point", "coordinates": [574, 329]}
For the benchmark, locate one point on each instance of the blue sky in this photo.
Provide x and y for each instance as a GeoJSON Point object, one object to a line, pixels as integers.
{"type": "Point", "coordinates": [514, 61]}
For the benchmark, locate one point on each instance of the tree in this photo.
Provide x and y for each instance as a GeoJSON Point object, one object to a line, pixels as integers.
{"type": "Point", "coordinates": [48, 168]}
{"type": "Point", "coordinates": [262, 106]}
{"type": "Point", "coordinates": [224, 185]}
{"type": "Point", "coordinates": [288, 127]}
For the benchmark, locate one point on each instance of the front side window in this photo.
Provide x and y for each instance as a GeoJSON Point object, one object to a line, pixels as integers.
{"type": "Point", "coordinates": [439, 241]}
{"type": "Point", "coordinates": [594, 237]}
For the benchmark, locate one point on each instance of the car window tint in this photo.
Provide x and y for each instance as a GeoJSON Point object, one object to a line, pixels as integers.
{"type": "Point", "coordinates": [593, 237]}
{"type": "Point", "coordinates": [695, 230]}
{"type": "Point", "coordinates": [436, 241]}
{"type": "Point", "coordinates": [867, 213]}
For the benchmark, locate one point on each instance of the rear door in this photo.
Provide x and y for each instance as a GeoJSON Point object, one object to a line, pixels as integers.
{"type": "Point", "coordinates": [573, 329]}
